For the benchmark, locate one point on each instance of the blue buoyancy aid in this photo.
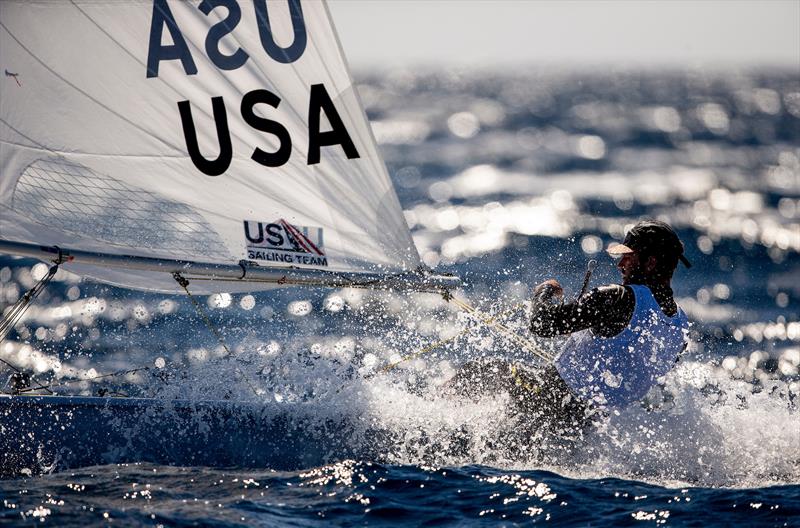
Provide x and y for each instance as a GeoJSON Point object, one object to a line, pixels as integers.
{"type": "Point", "coordinates": [616, 371]}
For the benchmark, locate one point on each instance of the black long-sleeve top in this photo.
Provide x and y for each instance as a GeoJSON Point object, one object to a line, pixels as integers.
{"type": "Point", "coordinates": [607, 310]}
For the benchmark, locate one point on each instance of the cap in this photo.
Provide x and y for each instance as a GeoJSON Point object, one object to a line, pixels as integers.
{"type": "Point", "coordinates": [652, 237]}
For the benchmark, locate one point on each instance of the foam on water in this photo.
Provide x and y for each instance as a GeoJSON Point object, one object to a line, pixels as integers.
{"type": "Point", "coordinates": [702, 426]}
{"type": "Point", "coordinates": [506, 180]}
{"type": "Point", "coordinates": [715, 431]}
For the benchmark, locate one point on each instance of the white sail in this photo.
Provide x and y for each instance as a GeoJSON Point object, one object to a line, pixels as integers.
{"type": "Point", "coordinates": [212, 131]}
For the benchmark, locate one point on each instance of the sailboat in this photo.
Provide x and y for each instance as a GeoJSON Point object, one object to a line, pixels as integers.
{"type": "Point", "coordinates": [155, 145]}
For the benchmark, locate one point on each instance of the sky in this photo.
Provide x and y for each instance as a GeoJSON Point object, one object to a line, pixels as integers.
{"type": "Point", "coordinates": [707, 33]}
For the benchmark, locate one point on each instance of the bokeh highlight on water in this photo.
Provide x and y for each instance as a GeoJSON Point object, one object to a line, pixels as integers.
{"type": "Point", "coordinates": [506, 180]}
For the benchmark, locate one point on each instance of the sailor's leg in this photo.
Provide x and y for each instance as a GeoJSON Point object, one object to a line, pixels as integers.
{"type": "Point", "coordinates": [477, 378]}
{"type": "Point", "coordinates": [542, 397]}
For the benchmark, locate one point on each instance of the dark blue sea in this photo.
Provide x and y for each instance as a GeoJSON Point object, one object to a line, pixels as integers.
{"type": "Point", "coordinates": [507, 180]}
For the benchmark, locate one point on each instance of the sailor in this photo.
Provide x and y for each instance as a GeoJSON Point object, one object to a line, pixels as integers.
{"type": "Point", "coordinates": [623, 337]}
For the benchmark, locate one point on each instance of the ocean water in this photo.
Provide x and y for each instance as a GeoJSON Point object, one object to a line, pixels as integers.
{"type": "Point", "coordinates": [506, 180]}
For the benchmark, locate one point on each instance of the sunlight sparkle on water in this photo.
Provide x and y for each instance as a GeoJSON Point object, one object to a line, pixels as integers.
{"type": "Point", "coordinates": [38, 271]}
{"type": "Point", "coordinates": [219, 300]}
{"type": "Point", "coordinates": [463, 124]}
{"type": "Point", "coordinates": [299, 308]}
{"type": "Point", "coordinates": [334, 303]}
{"type": "Point", "coordinates": [399, 131]}
{"type": "Point", "coordinates": [666, 119]}
{"type": "Point", "coordinates": [247, 302]}
{"type": "Point", "coordinates": [591, 147]}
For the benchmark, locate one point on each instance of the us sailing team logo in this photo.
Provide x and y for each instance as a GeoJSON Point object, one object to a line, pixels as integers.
{"type": "Point", "coordinates": [283, 242]}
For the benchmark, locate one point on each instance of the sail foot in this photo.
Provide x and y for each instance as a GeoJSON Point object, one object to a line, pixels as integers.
{"type": "Point", "coordinates": [245, 272]}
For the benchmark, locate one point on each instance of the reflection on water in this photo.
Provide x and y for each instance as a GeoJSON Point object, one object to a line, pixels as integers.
{"type": "Point", "coordinates": [507, 180]}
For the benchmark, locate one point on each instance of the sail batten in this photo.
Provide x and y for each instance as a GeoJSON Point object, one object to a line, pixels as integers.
{"type": "Point", "coordinates": [183, 132]}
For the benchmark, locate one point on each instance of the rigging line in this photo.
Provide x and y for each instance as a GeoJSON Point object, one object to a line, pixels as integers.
{"type": "Point", "coordinates": [496, 324]}
{"type": "Point", "coordinates": [13, 316]}
{"type": "Point", "coordinates": [184, 283]}
{"type": "Point", "coordinates": [18, 391]}
{"type": "Point", "coordinates": [15, 369]}
{"type": "Point", "coordinates": [526, 344]}
{"type": "Point", "coordinates": [520, 382]}
{"type": "Point", "coordinates": [69, 382]}
{"type": "Point", "coordinates": [415, 355]}
{"type": "Point", "coordinates": [491, 321]}
{"type": "Point", "coordinates": [519, 340]}
{"type": "Point", "coordinates": [441, 342]}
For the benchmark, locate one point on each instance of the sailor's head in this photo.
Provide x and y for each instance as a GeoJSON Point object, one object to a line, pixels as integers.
{"type": "Point", "coordinates": [650, 253]}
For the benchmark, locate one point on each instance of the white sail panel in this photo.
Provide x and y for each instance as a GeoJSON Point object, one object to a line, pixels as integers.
{"type": "Point", "coordinates": [193, 132]}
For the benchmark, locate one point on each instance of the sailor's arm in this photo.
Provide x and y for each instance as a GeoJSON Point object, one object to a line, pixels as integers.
{"type": "Point", "coordinates": [601, 308]}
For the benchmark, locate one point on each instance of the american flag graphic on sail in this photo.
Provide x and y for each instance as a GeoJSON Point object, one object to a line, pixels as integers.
{"type": "Point", "coordinates": [283, 242]}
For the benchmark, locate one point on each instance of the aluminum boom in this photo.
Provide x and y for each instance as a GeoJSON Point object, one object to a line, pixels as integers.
{"type": "Point", "coordinates": [245, 271]}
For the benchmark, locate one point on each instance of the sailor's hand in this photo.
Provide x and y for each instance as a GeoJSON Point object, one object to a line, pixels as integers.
{"type": "Point", "coordinates": [548, 289]}
{"type": "Point", "coordinates": [544, 300]}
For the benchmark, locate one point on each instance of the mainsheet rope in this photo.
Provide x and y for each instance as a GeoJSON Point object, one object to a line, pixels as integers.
{"type": "Point", "coordinates": [492, 321]}
{"type": "Point", "coordinates": [489, 320]}
{"type": "Point", "coordinates": [506, 331]}
{"type": "Point", "coordinates": [184, 283]}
